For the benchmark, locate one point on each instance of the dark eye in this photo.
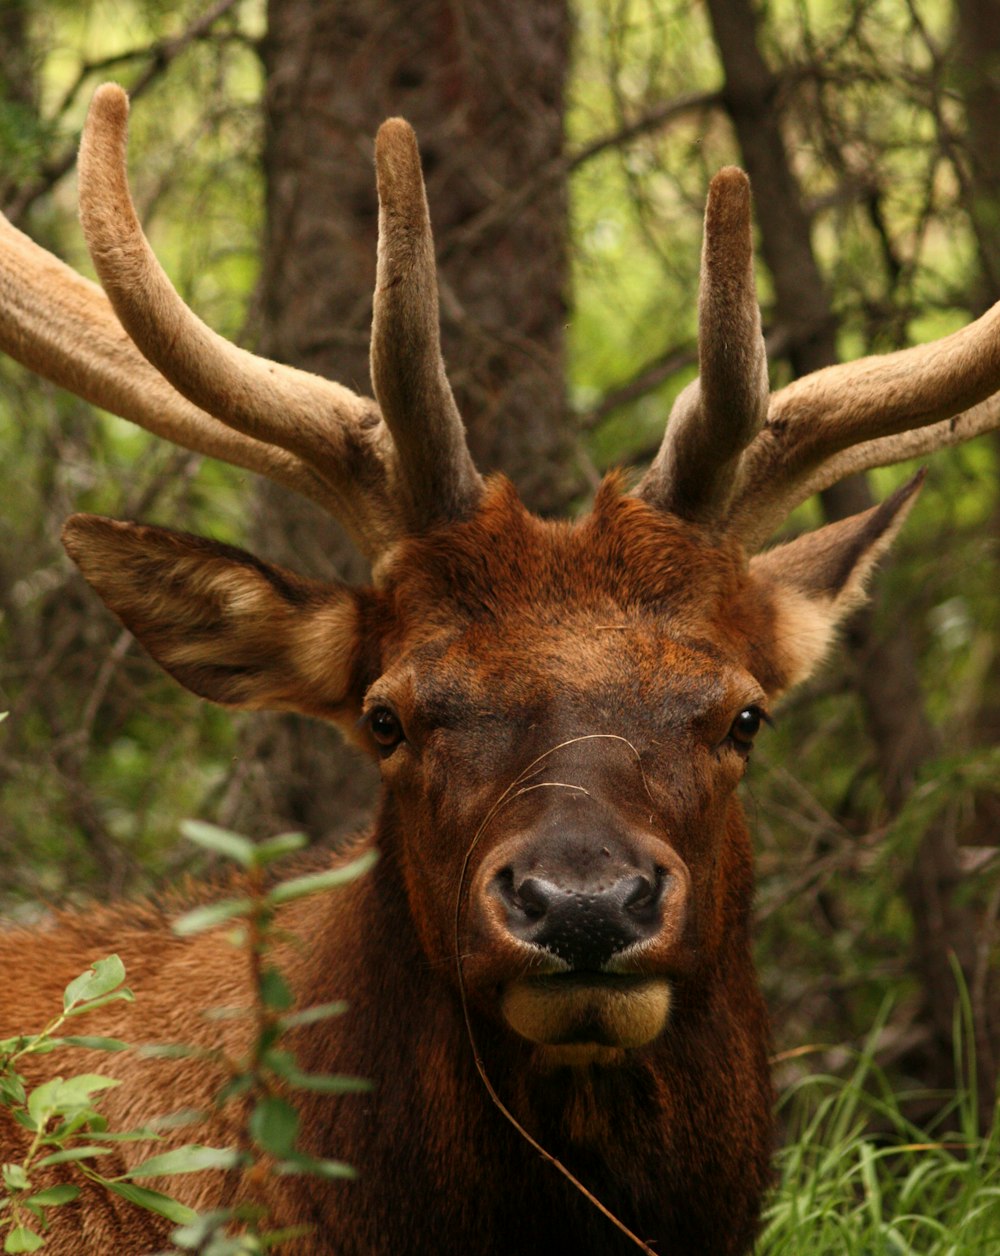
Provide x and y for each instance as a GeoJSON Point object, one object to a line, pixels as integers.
{"type": "Point", "coordinates": [385, 728]}
{"type": "Point", "coordinates": [746, 726]}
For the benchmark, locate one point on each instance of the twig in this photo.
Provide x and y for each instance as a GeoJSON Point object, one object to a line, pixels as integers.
{"type": "Point", "coordinates": [160, 54]}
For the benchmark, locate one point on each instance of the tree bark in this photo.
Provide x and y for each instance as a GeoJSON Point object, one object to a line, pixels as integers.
{"type": "Point", "coordinates": [483, 85]}
{"type": "Point", "coordinates": [886, 673]}
{"type": "Point", "coordinates": [977, 71]}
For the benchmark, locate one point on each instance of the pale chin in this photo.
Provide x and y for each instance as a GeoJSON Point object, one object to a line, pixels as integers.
{"type": "Point", "coordinates": [582, 1022]}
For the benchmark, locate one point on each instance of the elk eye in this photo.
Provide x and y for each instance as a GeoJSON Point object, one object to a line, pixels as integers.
{"type": "Point", "coordinates": [385, 728]}
{"type": "Point", "coordinates": [746, 726]}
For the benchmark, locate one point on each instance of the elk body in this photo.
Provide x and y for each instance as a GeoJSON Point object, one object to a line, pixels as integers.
{"type": "Point", "coordinates": [562, 713]}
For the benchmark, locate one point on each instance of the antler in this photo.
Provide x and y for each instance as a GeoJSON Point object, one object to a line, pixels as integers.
{"type": "Point", "coordinates": [719, 414]}
{"type": "Point", "coordinates": [874, 412]}
{"type": "Point", "coordinates": [46, 337]}
{"type": "Point", "coordinates": [402, 465]}
{"type": "Point", "coordinates": [303, 431]}
{"type": "Point", "coordinates": [720, 462]}
{"type": "Point", "coordinates": [407, 370]}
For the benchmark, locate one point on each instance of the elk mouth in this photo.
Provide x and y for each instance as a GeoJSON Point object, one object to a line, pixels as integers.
{"type": "Point", "coordinates": [579, 1007]}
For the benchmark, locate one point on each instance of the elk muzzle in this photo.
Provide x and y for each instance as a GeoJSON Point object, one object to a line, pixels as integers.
{"type": "Point", "coordinates": [590, 906]}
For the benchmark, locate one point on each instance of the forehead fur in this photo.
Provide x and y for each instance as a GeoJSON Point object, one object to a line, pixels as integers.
{"type": "Point", "coordinates": [623, 556]}
{"type": "Point", "coordinates": [506, 577]}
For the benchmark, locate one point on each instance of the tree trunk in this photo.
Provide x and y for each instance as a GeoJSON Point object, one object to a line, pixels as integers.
{"type": "Point", "coordinates": [978, 83]}
{"type": "Point", "coordinates": [483, 85]}
{"type": "Point", "coordinates": [886, 675]}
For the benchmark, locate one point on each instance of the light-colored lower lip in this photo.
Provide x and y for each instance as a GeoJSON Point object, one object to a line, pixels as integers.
{"type": "Point", "coordinates": [601, 1009]}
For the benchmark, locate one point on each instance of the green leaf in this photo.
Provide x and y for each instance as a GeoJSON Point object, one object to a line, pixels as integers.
{"type": "Point", "coordinates": [173, 1051]}
{"type": "Point", "coordinates": [95, 983]}
{"type": "Point", "coordinates": [317, 882]}
{"type": "Point", "coordinates": [277, 847]}
{"type": "Point", "coordinates": [301, 1163]}
{"type": "Point", "coordinates": [93, 1043]}
{"type": "Point", "coordinates": [274, 991]}
{"type": "Point", "coordinates": [274, 1125]}
{"type": "Point", "coordinates": [175, 1120]}
{"type": "Point", "coordinates": [43, 1100]}
{"type": "Point", "coordinates": [21, 1239]}
{"type": "Point", "coordinates": [220, 841]}
{"type": "Point", "coordinates": [152, 1201]}
{"type": "Point", "coordinates": [210, 915]}
{"type": "Point", "coordinates": [52, 1196]}
{"type": "Point", "coordinates": [192, 1158]}
{"type": "Point", "coordinates": [12, 1090]}
{"type": "Point", "coordinates": [15, 1177]}
{"type": "Point", "coordinates": [124, 994]}
{"type": "Point", "coordinates": [63, 1094]}
{"type": "Point", "coordinates": [328, 1083]}
{"type": "Point", "coordinates": [310, 1015]}
{"type": "Point", "coordinates": [195, 1234]}
{"type": "Point", "coordinates": [71, 1154]}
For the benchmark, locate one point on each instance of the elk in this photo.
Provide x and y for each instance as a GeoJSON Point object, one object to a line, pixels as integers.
{"type": "Point", "coordinates": [562, 713]}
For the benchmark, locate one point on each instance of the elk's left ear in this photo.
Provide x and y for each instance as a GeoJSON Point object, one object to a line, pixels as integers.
{"type": "Point", "coordinates": [815, 581]}
{"type": "Point", "coordinates": [229, 627]}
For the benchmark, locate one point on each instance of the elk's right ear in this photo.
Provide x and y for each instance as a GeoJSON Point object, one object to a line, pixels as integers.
{"type": "Point", "coordinates": [227, 626]}
{"type": "Point", "coordinates": [816, 581]}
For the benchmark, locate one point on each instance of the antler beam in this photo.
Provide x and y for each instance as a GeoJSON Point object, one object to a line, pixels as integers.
{"type": "Point", "coordinates": [47, 337]}
{"type": "Point", "coordinates": [327, 427]}
{"type": "Point", "coordinates": [174, 376]}
{"type": "Point", "coordinates": [870, 413]}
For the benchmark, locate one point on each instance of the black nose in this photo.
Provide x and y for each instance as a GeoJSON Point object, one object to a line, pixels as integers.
{"type": "Point", "coordinates": [583, 927]}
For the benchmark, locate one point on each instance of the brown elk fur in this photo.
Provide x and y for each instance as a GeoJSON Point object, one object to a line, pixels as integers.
{"type": "Point", "coordinates": [620, 649]}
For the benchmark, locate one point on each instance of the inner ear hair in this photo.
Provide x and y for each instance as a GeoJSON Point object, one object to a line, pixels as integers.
{"type": "Point", "coordinates": [835, 561]}
{"type": "Point", "coordinates": [816, 580]}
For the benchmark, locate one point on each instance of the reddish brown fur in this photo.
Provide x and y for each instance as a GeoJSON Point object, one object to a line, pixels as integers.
{"type": "Point", "coordinates": [635, 639]}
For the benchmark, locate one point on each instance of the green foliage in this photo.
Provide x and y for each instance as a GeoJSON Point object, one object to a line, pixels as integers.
{"type": "Point", "coordinates": [111, 818]}
{"type": "Point", "coordinates": [66, 1127]}
{"type": "Point", "coordinates": [266, 1080]}
{"type": "Point", "coordinates": [62, 1116]}
{"type": "Point", "coordinates": [858, 1177]}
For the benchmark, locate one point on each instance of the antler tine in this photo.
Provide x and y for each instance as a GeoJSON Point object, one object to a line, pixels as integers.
{"type": "Point", "coordinates": [870, 413]}
{"type": "Point", "coordinates": [113, 374]}
{"type": "Point", "coordinates": [716, 417]}
{"type": "Point", "coordinates": [755, 524]}
{"type": "Point", "coordinates": [436, 471]}
{"type": "Point", "coordinates": [326, 427]}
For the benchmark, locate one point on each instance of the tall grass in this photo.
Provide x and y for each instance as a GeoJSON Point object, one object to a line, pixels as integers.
{"type": "Point", "coordinates": [859, 1178]}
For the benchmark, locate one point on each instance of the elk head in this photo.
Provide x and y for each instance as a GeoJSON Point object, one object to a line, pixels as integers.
{"type": "Point", "coordinates": [562, 712]}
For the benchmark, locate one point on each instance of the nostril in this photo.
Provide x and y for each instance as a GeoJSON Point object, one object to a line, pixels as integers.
{"type": "Point", "coordinates": [644, 894]}
{"type": "Point", "coordinates": [528, 900]}
{"type": "Point", "coordinates": [533, 897]}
